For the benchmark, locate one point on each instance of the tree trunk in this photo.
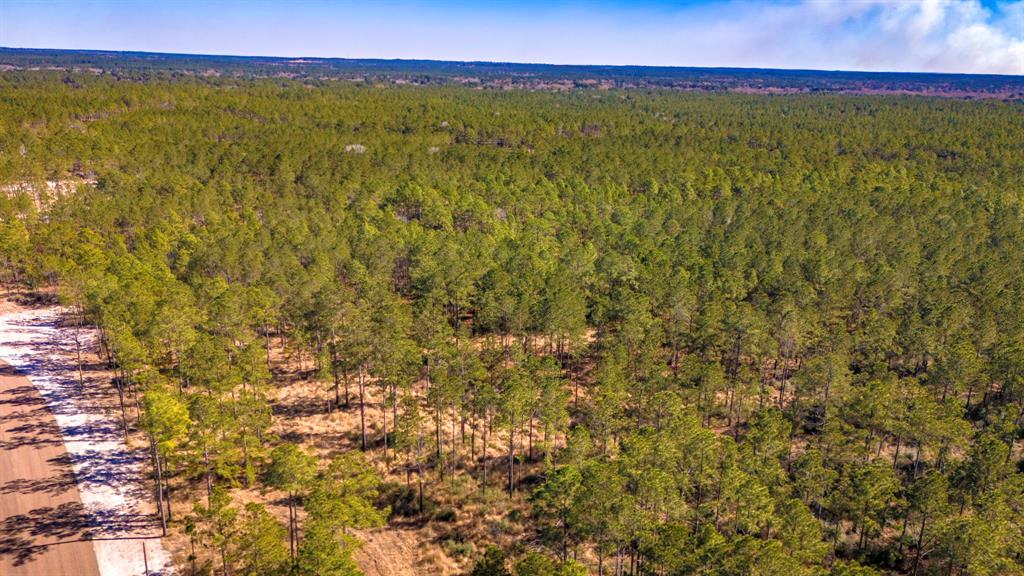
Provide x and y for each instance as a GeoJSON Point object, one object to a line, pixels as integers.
{"type": "Point", "coordinates": [440, 444]}
{"type": "Point", "coordinates": [896, 456]}
{"type": "Point", "coordinates": [384, 413]}
{"type": "Point", "coordinates": [394, 406]}
{"type": "Point", "coordinates": [344, 378]}
{"type": "Point", "coordinates": [920, 542]}
{"type": "Point", "coordinates": [78, 353]}
{"type": "Point", "coordinates": [362, 410]}
{"type": "Point", "coordinates": [511, 451]}
{"type": "Point", "coordinates": [266, 340]}
{"type": "Point", "coordinates": [483, 476]}
{"type": "Point", "coordinates": [419, 468]}
{"type": "Point", "coordinates": [455, 444]}
{"type": "Point", "coordinates": [530, 451]}
{"type": "Point", "coordinates": [159, 487]}
{"type": "Point", "coordinates": [291, 525]}
{"type": "Point", "coordinates": [472, 440]}
{"type": "Point", "coordinates": [120, 397]}
{"type": "Point", "coordinates": [337, 384]}
{"type": "Point", "coordinates": [209, 477]}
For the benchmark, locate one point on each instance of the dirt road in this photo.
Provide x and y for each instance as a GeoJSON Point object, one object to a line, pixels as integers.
{"type": "Point", "coordinates": [44, 528]}
{"type": "Point", "coordinates": [92, 485]}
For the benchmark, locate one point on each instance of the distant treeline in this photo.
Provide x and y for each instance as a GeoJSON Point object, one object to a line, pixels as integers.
{"type": "Point", "coordinates": [150, 65]}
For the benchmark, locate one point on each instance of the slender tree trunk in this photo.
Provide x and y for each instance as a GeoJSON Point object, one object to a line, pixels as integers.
{"type": "Point", "coordinates": [419, 467]}
{"type": "Point", "coordinates": [511, 451]}
{"type": "Point", "coordinates": [209, 477]}
{"type": "Point", "coordinates": [167, 489]}
{"type": "Point", "coordinates": [394, 406]}
{"type": "Point", "coordinates": [120, 397]}
{"type": "Point", "coordinates": [159, 487]}
{"type": "Point", "coordinates": [575, 384]}
{"type": "Point", "coordinates": [472, 439]}
{"type": "Point", "coordinates": [903, 533]}
{"type": "Point", "coordinates": [483, 450]}
{"type": "Point", "coordinates": [266, 340]}
{"type": "Point", "coordinates": [455, 444]}
{"type": "Point", "coordinates": [920, 542]}
{"type": "Point", "coordinates": [440, 444]}
{"type": "Point", "coordinates": [863, 530]}
{"type": "Point", "coordinates": [362, 410]}
{"type": "Point", "coordinates": [337, 383]}
{"type": "Point", "coordinates": [291, 525]}
{"type": "Point", "coordinates": [917, 461]}
{"type": "Point", "coordinates": [78, 353]}
{"type": "Point", "coordinates": [384, 414]}
{"type": "Point", "coordinates": [344, 378]}
{"type": "Point", "coordinates": [530, 453]}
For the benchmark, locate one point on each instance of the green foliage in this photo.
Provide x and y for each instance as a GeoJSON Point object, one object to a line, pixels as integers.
{"type": "Point", "coordinates": [167, 418]}
{"type": "Point", "coordinates": [493, 563]}
{"type": "Point", "coordinates": [261, 543]}
{"type": "Point", "coordinates": [728, 333]}
{"type": "Point", "coordinates": [345, 494]}
{"type": "Point", "coordinates": [852, 568]}
{"type": "Point", "coordinates": [325, 551]}
{"type": "Point", "coordinates": [536, 564]}
{"type": "Point", "coordinates": [291, 468]}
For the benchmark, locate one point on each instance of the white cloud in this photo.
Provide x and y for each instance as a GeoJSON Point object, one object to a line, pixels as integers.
{"type": "Point", "coordinates": [928, 35]}
{"type": "Point", "coordinates": [882, 35]}
{"type": "Point", "coordinates": [878, 35]}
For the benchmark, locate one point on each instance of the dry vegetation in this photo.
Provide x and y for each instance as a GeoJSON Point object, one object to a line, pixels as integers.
{"type": "Point", "coordinates": [461, 521]}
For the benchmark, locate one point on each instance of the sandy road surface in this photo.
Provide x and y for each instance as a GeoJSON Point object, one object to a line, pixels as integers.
{"type": "Point", "coordinates": [92, 487]}
{"type": "Point", "coordinates": [43, 525]}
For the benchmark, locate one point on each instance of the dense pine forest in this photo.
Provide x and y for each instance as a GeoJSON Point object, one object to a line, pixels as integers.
{"type": "Point", "coordinates": [616, 332]}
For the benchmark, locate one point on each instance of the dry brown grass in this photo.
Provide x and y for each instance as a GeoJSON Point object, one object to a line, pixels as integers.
{"type": "Point", "coordinates": [465, 520]}
{"type": "Point", "coordinates": [406, 546]}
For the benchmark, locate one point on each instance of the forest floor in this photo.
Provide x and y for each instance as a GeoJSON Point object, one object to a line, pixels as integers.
{"type": "Point", "coordinates": [88, 485]}
{"type": "Point", "coordinates": [443, 541]}
{"type": "Point", "coordinates": [114, 507]}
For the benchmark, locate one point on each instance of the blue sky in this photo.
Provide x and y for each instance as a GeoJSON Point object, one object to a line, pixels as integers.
{"type": "Point", "coordinates": [904, 35]}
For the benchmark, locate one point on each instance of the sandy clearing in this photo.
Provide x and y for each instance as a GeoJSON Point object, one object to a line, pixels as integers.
{"type": "Point", "coordinates": [108, 475]}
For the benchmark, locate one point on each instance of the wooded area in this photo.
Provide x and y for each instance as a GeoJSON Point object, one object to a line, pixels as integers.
{"type": "Point", "coordinates": [683, 333]}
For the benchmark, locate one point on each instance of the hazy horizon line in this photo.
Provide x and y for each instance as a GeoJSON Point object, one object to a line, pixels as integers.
{"type": "Point", "coordinates": [507, 62]}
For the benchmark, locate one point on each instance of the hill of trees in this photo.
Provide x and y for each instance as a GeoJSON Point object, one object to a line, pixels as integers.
{"type": "Point", "coordinates": [672, 333]}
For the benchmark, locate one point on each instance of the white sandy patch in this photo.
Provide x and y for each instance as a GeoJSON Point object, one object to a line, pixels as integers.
{"type": "Point", "coordinates": [110, 476]}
